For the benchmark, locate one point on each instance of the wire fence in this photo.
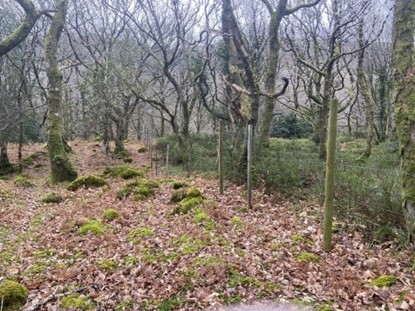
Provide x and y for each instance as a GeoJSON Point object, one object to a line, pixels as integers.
{"type": "Point", "coordinates": [366, 193]}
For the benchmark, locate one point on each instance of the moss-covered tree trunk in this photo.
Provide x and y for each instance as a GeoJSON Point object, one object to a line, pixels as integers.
{"type": "Point", "coordinates": [61, 167]}
{"type": "Point", "coordinates": [404, 88]}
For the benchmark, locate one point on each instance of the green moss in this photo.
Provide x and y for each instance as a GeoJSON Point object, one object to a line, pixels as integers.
{"type": "Point", "coordinates": [301, 239]}
{"type": "Point", "coordinates": [136, 235]}
{"type": "Point", "coordinates": [178, 185]}
{"type": "Point", "coordinates": [88, 182]}
{"type": "Point", "coordinates": [130, 260]}
{"type": "Point", "coordinates": [172, 303]}
{"type": "Point", "coordinates": [77, 302]}
{"type": "Point", "coordinates": [207, 261]}
{"type": "Point", "coordinates": [110, 214]}
{"type": "Point", "coordinates": [141, 149]}
{"type": "Point", "coordinates": [13, 295]}
{"type": "Point", "coordinates": [52, 197]}
{"type": "Point", "coordinates": [193, 247]}
{"type": "Point", "coordinates": [95, 227]}
{"type": "Point", "coordinates": [384, 281]}
{"type": "Point", "coordinates": [124, 171]}
{"type": "Point", "coordinates": [5, 194]}
{"type": "Point", "coordinates": [27, 161]}
{"type": "Point", "coordinates": [178, 196]}
{"type": "Point", "coordinates": [23, 180]}
{"type": "Point", "coordinates": [230, 300]}
{"type": "Point", "coordinates": [201, 217]}
{"type": "Point", "coordinates": [237, 222]}
{"type": "Point", "coordinates": [187, 204]}
{"type": "Point", "coordinates": [236, 279]}
{"type": "Point", "coordinates": [107, 265]}
{"type": "Point", "coordinates": [307, 257]}
{"type": "Point", "coordinates": [125, 305]}
{"type": "Point", "coordinates": [35, 268]}
{"type": "Point", "coordinates": [44, 253]}
{"type": "Point", "coordinates": [193, 192]}
{"type": "Point", "coordinates": [141, 189]}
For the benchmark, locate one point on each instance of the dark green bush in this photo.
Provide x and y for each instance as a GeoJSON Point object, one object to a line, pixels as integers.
{"type": "Point", "coordinates": [290, 126]}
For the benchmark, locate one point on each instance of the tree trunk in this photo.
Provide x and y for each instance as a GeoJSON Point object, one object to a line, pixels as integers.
{"type": "Point", "coordinates": [271, 72]}
{"type": "Point", "coordinates": [404, 84]}
{"type": "Point", "coordinates": [61, 167]}
{"type": "Point", "coordinates": [367, 96]}
{"type": "Point", "coordinates": [5, 165]}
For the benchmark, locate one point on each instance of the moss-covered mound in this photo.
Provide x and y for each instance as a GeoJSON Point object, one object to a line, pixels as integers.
{"type": "Point", "coordinates": [94, 227]}
{"type": "Point", "coordinates": [124, 171]}
{"type": "Point", "coordinates": [178, 185]}
{"type": "Point", "coordinates": [88, 182]}
{"type": "Point", "coordinates": [122, 154]}
{"type": "Point", "coordinates": [30, 159]}
{"type": "Point", "coordinates": [187, 204]}
{"type": "Point", "coordinates": [13, 295]}
{"type": "Point", "coordinates": [52, 198]}
{"type": "Point", "coordinates": [139, 189]}
{"type": "Point", "coordinates": [141, 149]}
{"type": "Point", "coordinates": [23, 181]}
{"type": "Point", "coordinates": [110, 214]}
{"type": "Point", "coordinates": [186, 200]}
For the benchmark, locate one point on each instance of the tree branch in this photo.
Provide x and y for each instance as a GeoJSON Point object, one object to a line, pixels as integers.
{"type": "Point", "coordinates": [21, 32]}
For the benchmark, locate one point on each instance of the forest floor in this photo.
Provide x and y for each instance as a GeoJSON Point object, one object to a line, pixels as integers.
{"type": "Point", "coordinates": [152, 259]}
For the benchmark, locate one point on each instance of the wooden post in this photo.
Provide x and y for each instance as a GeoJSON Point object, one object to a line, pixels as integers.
{"type": "Point", "coordinates": [330, 170]}
{"type": "Point", "coordinates": [221, 164]}
{"type": "Point", "coordinates": [167, 160]}
{"type": "Point", "coordinates": [151, 156]}
{"type": "Point", "coordinates": [249, 166]}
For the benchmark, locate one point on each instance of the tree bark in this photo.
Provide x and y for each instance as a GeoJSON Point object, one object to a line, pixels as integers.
{"type": "Point", "coordinates": [404, 86]}
{"type": "Point", "coordinates": [61, 167]}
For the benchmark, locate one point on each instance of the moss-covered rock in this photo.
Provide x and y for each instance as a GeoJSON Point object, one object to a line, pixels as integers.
{"type": "Point", "coordinates": [178, 196]}
{"type": "Point", "coordinates": [187, 204]}
{"type": "Point", "coordinates": [141, 149]}
{"type": "Point", "coordinates": [13, 295]}
{"type": "Point", "coordinates": [23, 181]}
{"type": "Point", "coordinates": [111, 214]}
{"type": "Point", "coordinates": [88, 182]}
{"type": "Point", "coordinates": [76, 301]}
{"type": "Point", "coordinates": [308, 257]}
{"type": "Point", "coordinates": [124, 171]}
{"type": "Point", "coordinates": [94, 227]}
{"type": "Point", "coordinates": [193, 192]}
{"type": "Point", "coordinates": [140, 189]}
{"type": "Point", "coordinates": [122, 154]}
{"type": "Point", "coordinates": [30, 159]}
{"type": "Point", "coordinates": [384, 281]}
{"type": "Point", "coordinates": [52, 197]}
{"type": "Point", "coordinates": [178, 185]}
